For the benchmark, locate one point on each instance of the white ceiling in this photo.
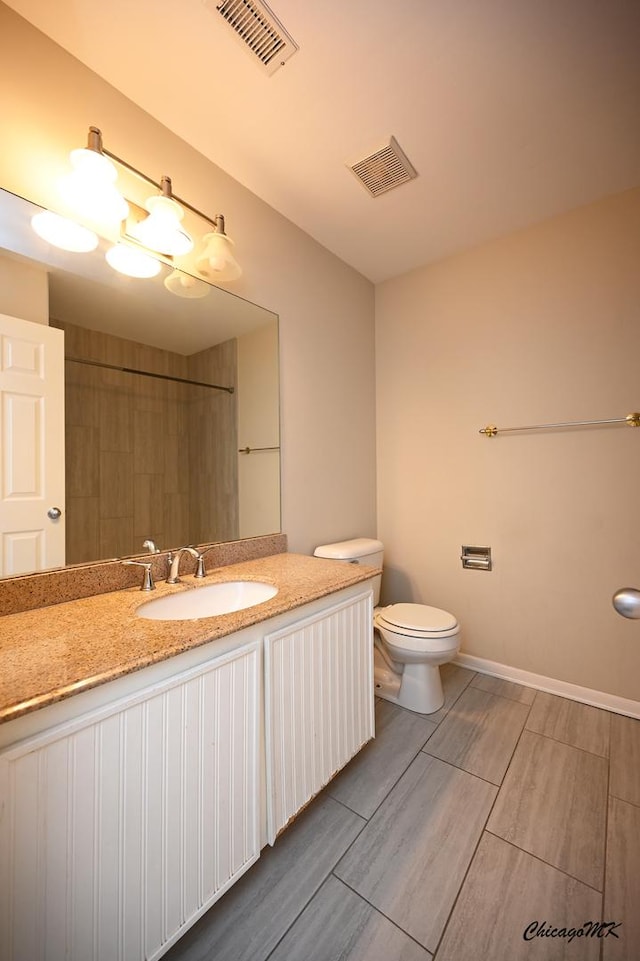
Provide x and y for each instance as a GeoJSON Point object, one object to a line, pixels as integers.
{"type": "Point", "coordinates": [510, 110]}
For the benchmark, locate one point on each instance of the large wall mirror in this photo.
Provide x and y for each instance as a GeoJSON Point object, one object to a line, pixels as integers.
{"type": "Point", "coordinates": [171, 402]}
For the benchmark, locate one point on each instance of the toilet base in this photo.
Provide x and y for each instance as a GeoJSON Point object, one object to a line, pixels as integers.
{"type": "Point", "coordinates": [418, 688]}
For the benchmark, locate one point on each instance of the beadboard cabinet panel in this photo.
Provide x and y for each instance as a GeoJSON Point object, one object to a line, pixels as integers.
{"type": "Point", "coordinates": [319, 703]}
{"type": "Point", "coordinates": [118, 829]}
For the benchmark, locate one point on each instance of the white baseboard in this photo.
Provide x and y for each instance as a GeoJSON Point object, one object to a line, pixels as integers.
{"type": "Point", "coordinates": [609, 702]}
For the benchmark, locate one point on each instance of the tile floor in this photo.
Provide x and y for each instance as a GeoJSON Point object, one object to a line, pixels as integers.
{"type": "Point", "coordinates": [448, 836]}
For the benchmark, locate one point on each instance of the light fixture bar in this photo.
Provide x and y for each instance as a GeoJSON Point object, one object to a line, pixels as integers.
{"type": "Point", "coordinates": [159, 186]}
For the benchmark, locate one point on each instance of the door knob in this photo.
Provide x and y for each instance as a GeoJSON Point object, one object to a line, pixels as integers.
{"type": "Point", "coordinates": [54, 513]}
{"type": "Point", "coordinates": [627, 602]}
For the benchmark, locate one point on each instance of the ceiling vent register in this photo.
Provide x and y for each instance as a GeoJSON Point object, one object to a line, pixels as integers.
{"type": "Point", "coordinates": [258, 30]}
{"type": "Point", "coordinates": [385, 169]}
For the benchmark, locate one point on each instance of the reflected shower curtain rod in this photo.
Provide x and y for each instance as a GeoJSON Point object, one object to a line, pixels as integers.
{"type": "Point", "coordinates": [148, 373]}
{"type": "Point", "coordinates": [252, 450]}
{"type": "Point", "coordinates": [633, 420]}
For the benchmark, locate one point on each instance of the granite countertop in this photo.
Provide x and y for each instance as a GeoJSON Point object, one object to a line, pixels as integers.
{"type": "Point", "coordinates": [51, 653]}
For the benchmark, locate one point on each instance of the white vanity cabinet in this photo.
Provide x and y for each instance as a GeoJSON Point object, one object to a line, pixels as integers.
{"type": "Point", "coordinates": [319, 708]}
{"type": "Point", "coordinates": [128, 809]}
{"type": "Point", "coordinates": [119, 828]}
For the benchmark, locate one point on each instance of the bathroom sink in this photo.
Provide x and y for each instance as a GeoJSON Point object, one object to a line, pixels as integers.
{"type": "Point", "coordinates": [214, 599]}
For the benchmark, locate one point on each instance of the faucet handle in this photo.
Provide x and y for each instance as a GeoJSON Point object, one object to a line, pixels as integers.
{"type": "Point", "coordinates": [147, 580]}
{"type": "Point", "coordinates": [200, 571]}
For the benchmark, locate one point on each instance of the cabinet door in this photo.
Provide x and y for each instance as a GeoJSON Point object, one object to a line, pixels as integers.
{"type": "Point", "coordinates": [318, 702]}
{"type": "Point", "coordinates": [119, 829]}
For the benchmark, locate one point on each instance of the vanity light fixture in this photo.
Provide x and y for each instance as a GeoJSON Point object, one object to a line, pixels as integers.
{"type": "Point", "coordinates": [132, 262]}
{"type": "Point", "coordinates": [155, 234]}
{"type": "Point", "coordinates": [161, 231]}
{"type": "Point", "coordinates": [64, 233]}
{"type": "Point", "coordinates": [217, 261]}
{"type": "Point", "coordinates": [90, 188]}
{"type": "Point", "coordinates": [184, 285]}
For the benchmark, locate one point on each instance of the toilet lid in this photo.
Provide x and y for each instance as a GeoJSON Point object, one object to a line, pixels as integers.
{"type": "Point", "coordinates": [418, 617]}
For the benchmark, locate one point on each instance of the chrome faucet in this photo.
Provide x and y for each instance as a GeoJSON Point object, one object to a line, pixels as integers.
{"type": "Point", "coordinates": [151, 546]}
{"type": "Point", "coordinates": [175, 563]}
{"type": "Point", "coordinates": [147, 580]}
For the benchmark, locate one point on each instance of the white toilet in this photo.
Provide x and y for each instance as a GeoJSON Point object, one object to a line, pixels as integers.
{"type": "Point", "coordinates": [411, 640]}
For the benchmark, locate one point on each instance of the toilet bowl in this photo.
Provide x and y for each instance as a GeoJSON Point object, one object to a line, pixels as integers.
{"type": "Point", "coordinates": [411, 640]}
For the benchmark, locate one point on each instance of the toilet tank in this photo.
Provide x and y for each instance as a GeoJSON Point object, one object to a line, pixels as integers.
{"type": "Point", "coordinates": [359, 550]}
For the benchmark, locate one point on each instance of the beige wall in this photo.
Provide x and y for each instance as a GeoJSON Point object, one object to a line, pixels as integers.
{"type": "Point", "coordinates": [541, 326]}
{"type": "Point", "coordinates": [48, 101]}
{"type": "Point", "coordinates": [24, 291]}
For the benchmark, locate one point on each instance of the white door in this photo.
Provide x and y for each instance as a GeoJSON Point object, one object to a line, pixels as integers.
{"type": "Point", "coordinates": [31, 446]}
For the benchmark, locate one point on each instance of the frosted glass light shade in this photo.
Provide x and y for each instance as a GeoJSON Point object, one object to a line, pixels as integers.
{"type": "Point", "coordinates": [63, 233]}
{"type": "Point", "coordinates": [184, 285]}
{"type": "Point", "coordinates": [217, 261]}
{"type": "Point", "coordinates": [161, 230]}
{"type": "Point", "coordinates": [90, 188]}
{"type": "Point", "coordinates": [131, 262]}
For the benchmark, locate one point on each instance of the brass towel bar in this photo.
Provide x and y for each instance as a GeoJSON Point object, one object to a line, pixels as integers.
{"type": "Point", "coordinates": [633, 420]}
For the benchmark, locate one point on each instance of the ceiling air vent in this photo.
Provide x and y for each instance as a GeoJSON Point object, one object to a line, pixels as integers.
{"type": "Point", "coordinates": [258, 29]}
{"type": "Point", "coordinates": [385, 169]}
